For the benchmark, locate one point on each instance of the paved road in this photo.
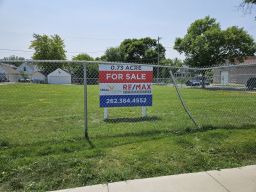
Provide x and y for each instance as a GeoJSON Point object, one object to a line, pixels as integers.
{"type": "Point", "coordinates": [227, 180]}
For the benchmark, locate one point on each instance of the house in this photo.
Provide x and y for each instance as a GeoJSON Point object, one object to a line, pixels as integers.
{"type": "Point", "coordinates": [27, 69]}
{"type": "Point", "coordinates": [229, 73]}
{"type": "Point", "coordinates": [8, 73]}
{"type": "Point", "coordinates": [59, 76]}
{"type": "Point", "coordinates": [38, 77]}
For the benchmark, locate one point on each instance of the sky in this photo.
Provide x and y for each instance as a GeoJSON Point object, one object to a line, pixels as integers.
{"type": "Point", "coordinates": [93, 26]}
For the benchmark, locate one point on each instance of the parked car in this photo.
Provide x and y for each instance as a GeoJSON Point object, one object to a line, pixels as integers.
{"type": "Point", "coordinates": [193, 82]}
{"type": "Point", "coordinates": [196, 82]}
{"type": "Point", "coordinates": [24, 80]}
{"type": "Point", "coordinates": [251, 83]}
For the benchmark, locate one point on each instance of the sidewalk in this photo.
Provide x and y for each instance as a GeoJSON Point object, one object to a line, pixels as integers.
{"type": "Point", "coordinates": [226, 180]}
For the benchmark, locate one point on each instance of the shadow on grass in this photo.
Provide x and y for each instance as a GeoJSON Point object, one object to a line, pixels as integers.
{"type": "Point", "coordinates": [102, 141]}
{"type": "Point", "coordinates": [205, 128]}
{"type": "Point", "coordinates": [132, 119]}
{"type": "Point", "coordinates": [142, 136]}
{"type": "Point", "coordinates": [185, 131]}
{"type": "Point", "coordinates": [226, 89]}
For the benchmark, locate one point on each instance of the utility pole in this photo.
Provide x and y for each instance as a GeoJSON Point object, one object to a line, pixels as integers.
{"type": "Point", "coordinates": [158, 57]}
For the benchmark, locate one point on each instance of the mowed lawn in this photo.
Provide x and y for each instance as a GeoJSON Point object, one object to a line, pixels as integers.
{"type": "Point", "coordinates": [42, 145]}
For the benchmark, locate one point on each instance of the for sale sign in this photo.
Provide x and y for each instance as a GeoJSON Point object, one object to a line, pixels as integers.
{"type": "Point", "coordinates": [125, 85]}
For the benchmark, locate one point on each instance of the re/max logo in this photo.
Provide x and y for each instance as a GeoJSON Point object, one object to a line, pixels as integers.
{"type": "Point", "coordinates": [130, 87]}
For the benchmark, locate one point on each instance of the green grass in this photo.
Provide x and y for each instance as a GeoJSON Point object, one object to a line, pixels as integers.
{"type": "Point", "coordinates": [42, 145]}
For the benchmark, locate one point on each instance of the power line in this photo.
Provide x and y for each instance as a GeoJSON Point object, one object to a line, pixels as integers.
{"type": "Point", "coordinates": [73, 52]}
{"type": "Point", "coordinates": [100, 51]}
{"type": "Point", "coordinates": [28, 51]}
{"type": "Point", "coordinates": [92, 38]}
{"type": "Point", "coordinates": [16, 50]}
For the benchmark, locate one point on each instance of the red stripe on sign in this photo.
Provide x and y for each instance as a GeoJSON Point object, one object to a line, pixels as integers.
{"type": "Point", "coordinates": [126, 76]}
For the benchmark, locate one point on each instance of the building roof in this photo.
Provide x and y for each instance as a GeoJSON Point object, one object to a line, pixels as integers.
{"type": "Point", "coordinates": [32, 66]}
{"type": "Point", "coordinates": [247, 60]}
{"type": "Point", "coordinates": [39, 72]}
{"type": "Point", "coordinates": [8, 69]}
{"type": "Point", "coordinates": [250, 59]}
{"type": "Point", "coordinates": [60, 72]}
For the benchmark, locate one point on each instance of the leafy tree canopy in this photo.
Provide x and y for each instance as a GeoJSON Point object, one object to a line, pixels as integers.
{"type": "Point", "coordinates": [48, 48]}
{"type": "Point", "coordinates": [14, 57]}
{"type": "Point", "coordinates": [175, 63]}
{"type": "Point", "coordinates": [78, 69]}
{"type": "Point", "coordinates": [143, 50]}
{"type": "Point", "coordinates": [136, 50]}
{"type": "Point", "coordinates": [113, 54]}
{"type": "Point", "coordinates": [238, 44]}
{"type": "Point", "coordinates": [206, 44]}
{"type": "Point", "coordinates": [247, 5]}
{"type": "Point", "coordinates": [250, 1]}
{"type": "Point", "coordinates": [82, 57]}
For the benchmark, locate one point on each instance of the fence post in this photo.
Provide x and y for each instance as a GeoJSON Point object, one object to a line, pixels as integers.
{"type": "Point", "coordinates": [85, 104]}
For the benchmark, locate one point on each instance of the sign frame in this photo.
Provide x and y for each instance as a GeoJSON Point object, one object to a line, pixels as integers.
{"type": "Point", "coordinates": [125, 86]}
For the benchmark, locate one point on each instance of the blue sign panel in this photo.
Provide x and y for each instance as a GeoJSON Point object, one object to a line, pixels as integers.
{"type": "Point", "coordinates": [125, 100]}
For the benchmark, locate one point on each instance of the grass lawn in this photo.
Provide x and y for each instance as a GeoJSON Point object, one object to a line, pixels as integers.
{"type": "Point", "coordinates": [42, 145]}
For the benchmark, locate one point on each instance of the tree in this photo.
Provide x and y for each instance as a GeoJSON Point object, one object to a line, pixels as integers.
{"type": "Point", "coordinates": [205, 44]}
{"type": "Point", "coordinates": [14, 57]}
{"type": "Point", "coordinates": [247, 5]}
{"type": "Point", "coordinates": [238, 44]}
{"type": "Point", "coordinates": [113, 54]}
{"type": "Point", "coordinates": [144, 50]}
{"type": "Point", "coordinates": [141, 50]}
{"type": "Point", "coordinates": [174, 63]}
{"type": "Point", "coordinates": [48, 48]}
{"type": "Point", "coordinates": [250, 1]}
{"type": "Point", "coordinates": [82, 57]}
{"type": "Point", "coordinates": [92, 70]}
{"type": "Point", "coordinates": [135, 50]}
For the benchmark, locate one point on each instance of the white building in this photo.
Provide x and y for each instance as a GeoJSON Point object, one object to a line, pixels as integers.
{"type": "Point", "coordinates": [8, 73]}
{"type": "Point", "coordinates": [240, 74]}
{"type": "Point", "coordinates": [59, 76]}
{"type": "Point", "coordinates": [38, 77]}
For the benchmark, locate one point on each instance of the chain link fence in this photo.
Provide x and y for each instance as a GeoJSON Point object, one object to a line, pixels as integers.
{"type": "Point", "coordinates": [53, 99]}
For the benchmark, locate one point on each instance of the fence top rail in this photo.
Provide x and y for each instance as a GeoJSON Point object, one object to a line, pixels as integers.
{"type": "Point", "coordinates": [89, 62]}
{"type": "Point", "coordinates": [131, 63]}
{"type": "Point", "coordinates": [226, 66]}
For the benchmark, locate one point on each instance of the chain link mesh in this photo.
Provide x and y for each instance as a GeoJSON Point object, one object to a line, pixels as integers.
{"type": "Point", "coordinates": [50, 96]}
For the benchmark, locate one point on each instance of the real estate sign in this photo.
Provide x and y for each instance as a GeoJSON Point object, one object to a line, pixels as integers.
{"type": "Point", "coordinates": [125, 85]}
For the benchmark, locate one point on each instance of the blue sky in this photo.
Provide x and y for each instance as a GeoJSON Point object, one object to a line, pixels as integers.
{"type": "Point", "coordinates": [93, 26]}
